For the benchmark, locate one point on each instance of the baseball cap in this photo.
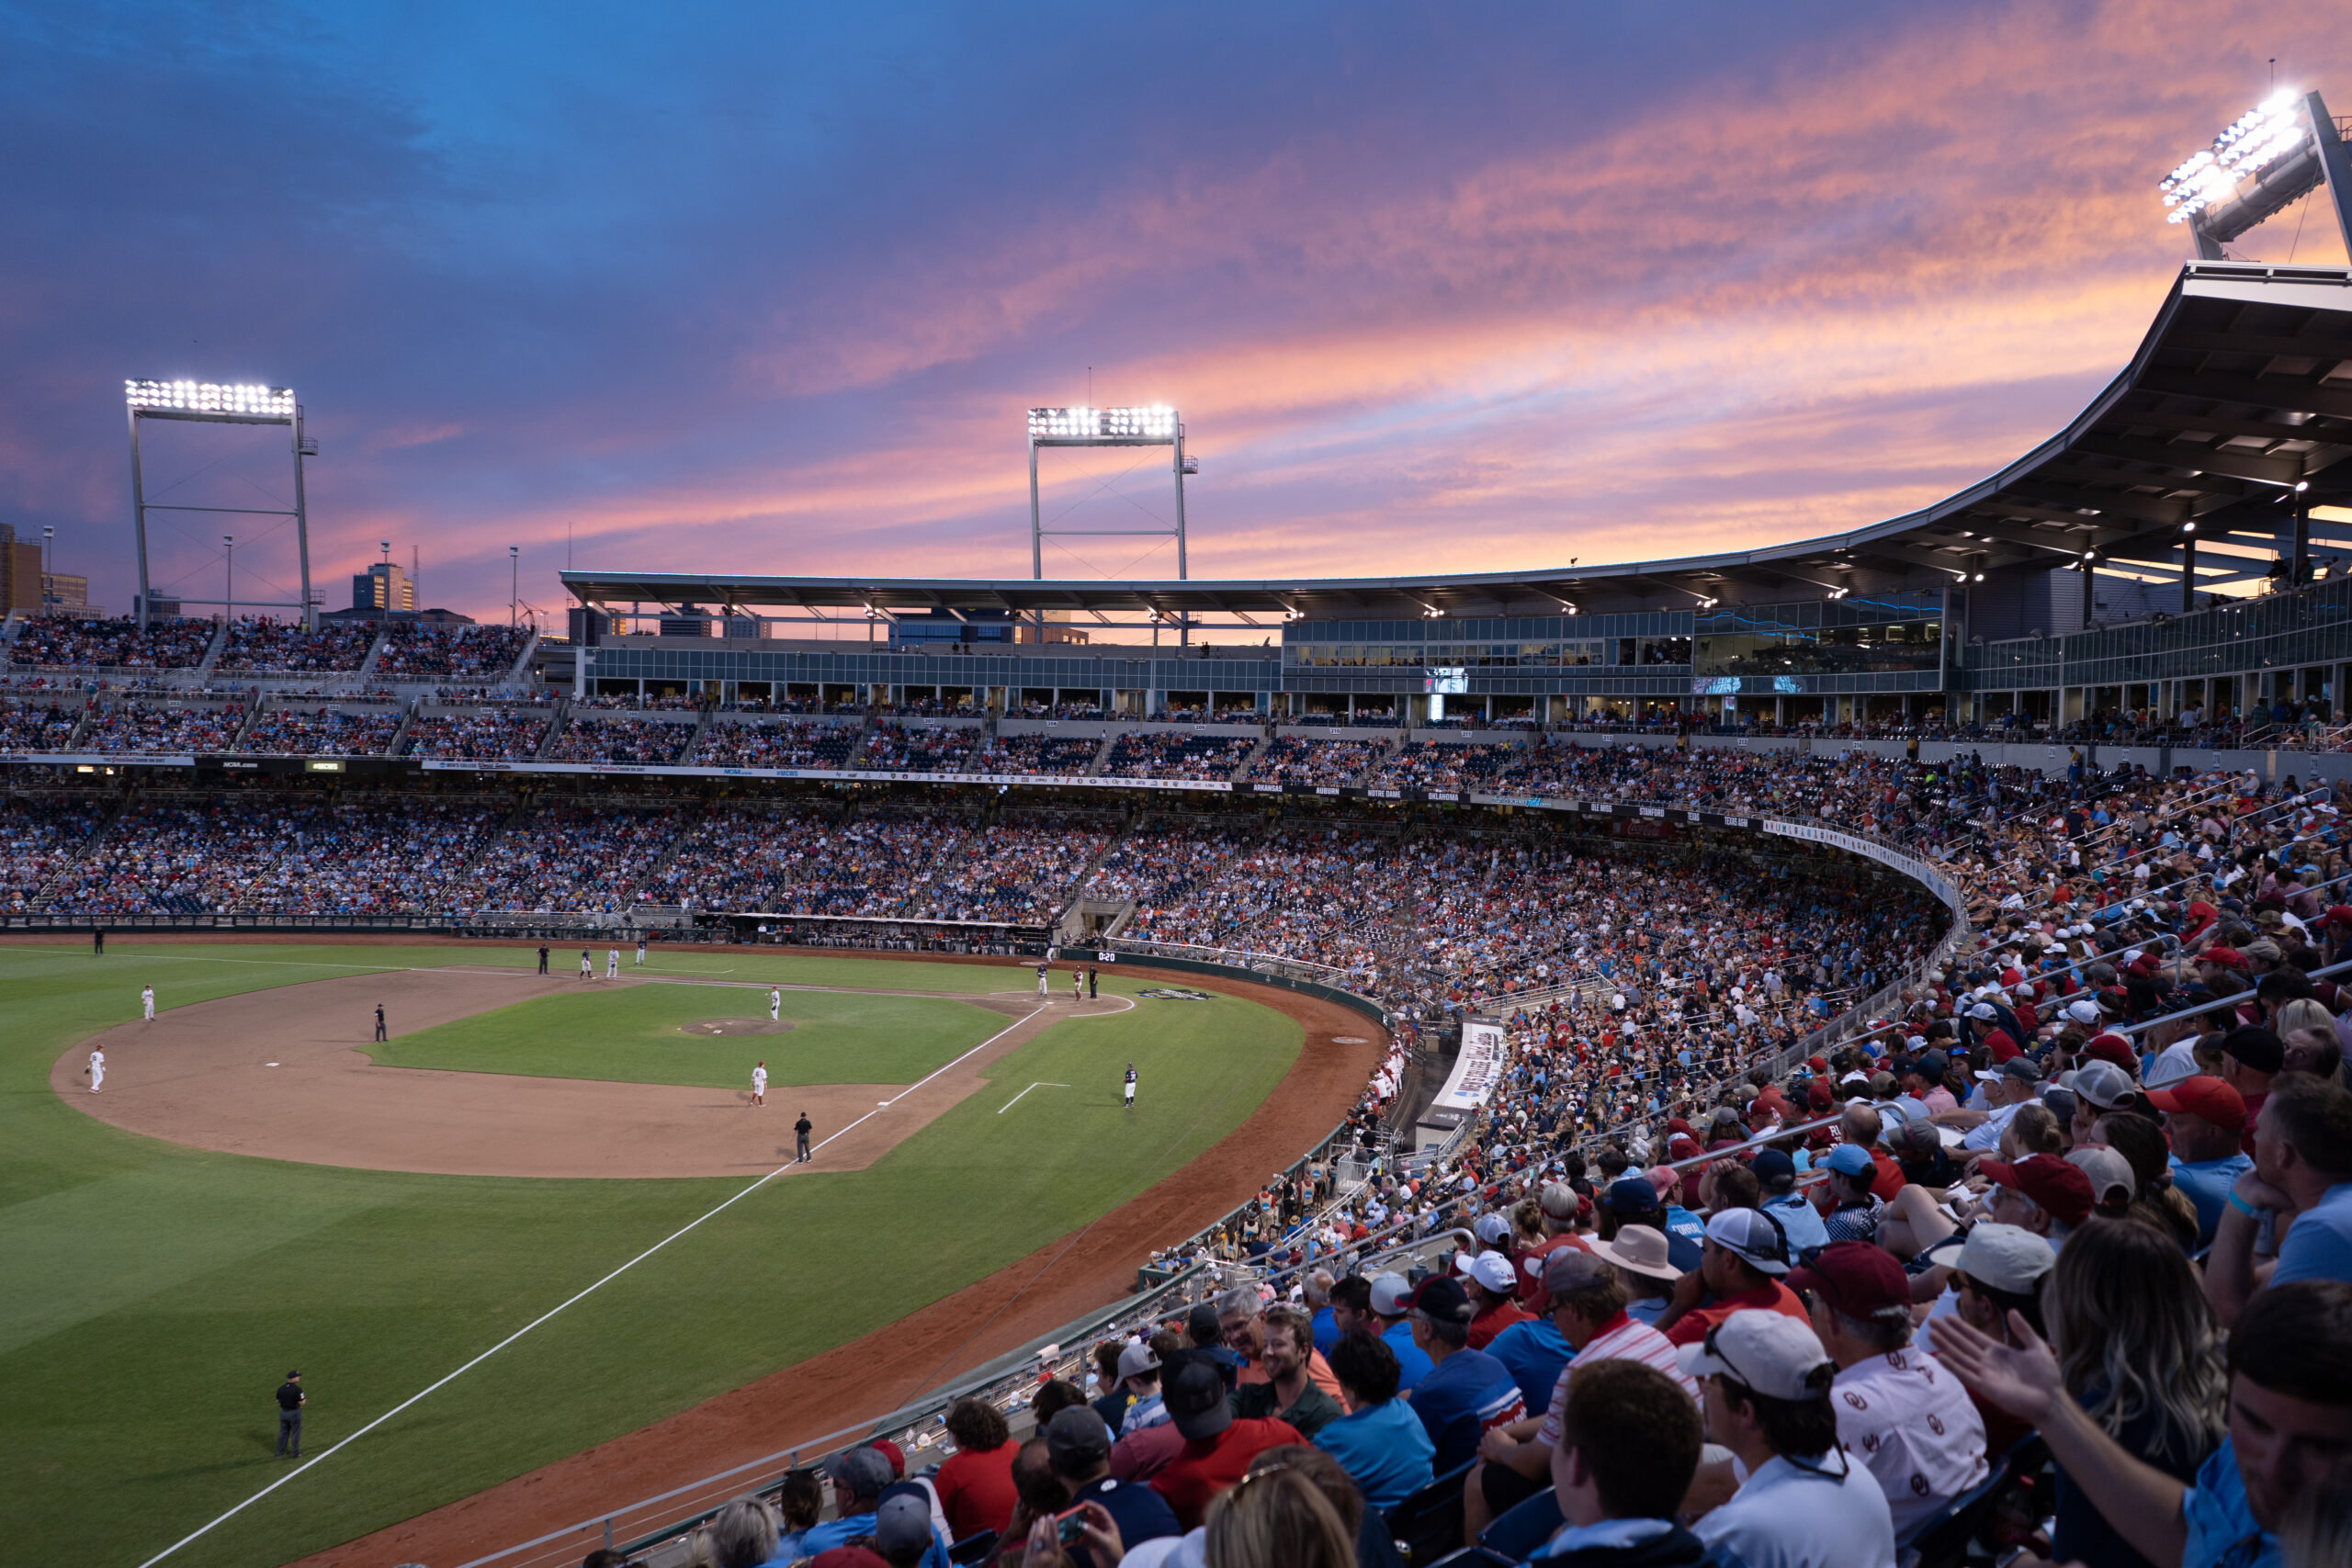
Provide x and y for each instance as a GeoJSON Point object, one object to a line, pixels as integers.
{"type": "Point", "coordinates": [1076, 1438]}
{"type": "Point", "coordinates": [1491, 1269]}
{"type": "Point", "coordinates": [1201, 1324]}
{"type": "Point", "coordinates": [2053, 1185]}
{"type": "Point", "coordinates": [1138, 1359]}
{"type": "Point", "coordinates": [1492, 1227]}
{"type": "Point", "coordinates": [1195, 1399]}
{"type": "Point", "coordinates": [2083, 1010]}
{"type": "Point", "coordinates": [2017, 1069]}
{"type": "Point", "coordinates": [2209, 1099]}
{"type": "Point", "coordinates": [1631, 1195]}
{"type": "Point", "coordinates": [1771, 1166]}
{"type": "Point", "coordinates": [2107, 1170]}
{"type": "Point", "coordinates": [1440, 1299]}
{"type": "Point", "coordinates": [1770, 1352]}
{"type": "Point", "coordinates": [2227, 957]}
{"type": "Point", "coordinates": [1856, 1278]}
{"type": "Point", "coordinates": [1388, 1293]}
{"type": "Point", "coordinates": [1638, 1249]}
{"type": "Point", "coordinates": [2255, 1047]}
{"type": "Point", "coordinates": [863, 1473]}
{"type": "Point", "coordinates": [2104, 1084]}
{"type": "Point", "coordinates": [1983, 1010]}
{"type": "Point", "coordinates": [904, 1521]}
{"type": "Point", "coordinates": [2173, 1064]}
{"type": "Point", "coordinates": [1934, 1064]}
{"type": "Point", "coordinates": [1851, 1159]}
{"type": "Point", "coordinates": [894, 1453]}
{"type": "Point", "coordinates": [2007, 1258]}
{"type": "Point", "coordinates": [1753, 1236]}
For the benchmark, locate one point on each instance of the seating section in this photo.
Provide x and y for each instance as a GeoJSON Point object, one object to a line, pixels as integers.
{"type": "Point", "coordinates": [776, 743]}
{"type": "Point", "coordinates": [416, 651]}
{"type": "Point", "coordinates": [1298, 759]}
{"type": "Point", "coordinates": [375, 859]}
{"type": "Point", "coordinates": [135, 728]}
{"type": "Point", "coordinates": [484, 736]}
{"type": "Point", "coordinates": [638, 741]}
{"type": "Point", "coordinates": [38, 723]}
{"type": "Point", "coordinates": [262, 646]}
{"type": "Point", "coordinates": [896, 747]}
{"type": "Point", "coordinates": [1162, 756]}
{"type": "Point", "coordinates": [1049, 755]}
{"type": "Point", "coordinates": [323, 732]}
{"type": "Point", "coordinates": [63, 642]}
{"type": "Point", "coordinates": [1434, 765]}
{"type": "Point", "coordinates": [570, 856]}
{"type": "Point", "coordinates": [181, 857]}
{"type": "Point", "coordinates": [39, 837]}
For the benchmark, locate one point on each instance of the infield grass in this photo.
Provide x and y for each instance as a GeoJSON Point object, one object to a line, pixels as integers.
{"type": "Point", "coordinates": [159, 1294]}
{"type": "Point", "coordinates": [638, 1035]}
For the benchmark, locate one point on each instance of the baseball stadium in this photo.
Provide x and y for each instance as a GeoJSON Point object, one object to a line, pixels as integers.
{"type": "Point", "coordinates": [1448, 983]}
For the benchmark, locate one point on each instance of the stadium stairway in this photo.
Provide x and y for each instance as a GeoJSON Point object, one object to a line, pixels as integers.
{"type": "Point", "coordinates": [375, 651]}
{"type": "Point", "coordinates": [865, 739]}
{"type": "Point", "coordinates": [694, 744]}
{"type": "Point", "coordinates": [515, 676]}
{"type": "Point", "coordinates": [212, 652]}
{"type": "Point", "coordinates": [89, 846]}
{"type": "Point", "coordinates": [407, 716]}
{"type": "Point", "coordinates": [1102, 758]}
{"type": "Point", "coordinates": [1385, 750]}
{"type": "Point", "coordinates": [1249, 761]}
{"type": "Point", "coordinates": [253, 716]}
{"type": "Point", "coordinates": [556, 727]}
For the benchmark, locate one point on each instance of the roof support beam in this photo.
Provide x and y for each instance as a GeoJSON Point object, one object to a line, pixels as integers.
{"type": "Point", "coordinates": [2254, 392]}
{"type": "Point", "coordinates": [2280, 471]}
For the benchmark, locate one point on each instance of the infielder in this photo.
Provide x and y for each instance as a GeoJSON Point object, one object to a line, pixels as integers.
{"type": "Point", "coordinates": [612, 964]}
{"type": "Point", "coordinates": [1077, 986]}
{"type": "Point", "coordinates": [776, 1004]}
{"type": "Point", "coordinates": [1131, 1086]}
{"type": "Point", "coordinates": [760, 1084]}
{"type": "Point", "coordinates": [1041, 982]}
{"type": "Point", "coordinates": [147, 1002]}
{"type": "Point", "coordinates": [97, 1068]}
{"type": "Point", "coordinates": [587, 969]}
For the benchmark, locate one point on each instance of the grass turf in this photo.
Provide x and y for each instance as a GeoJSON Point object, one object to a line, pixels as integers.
{"type": "Point", "coordinates": [635, 1035]}
{"type": "Point", "coordinates": [163, 1291]}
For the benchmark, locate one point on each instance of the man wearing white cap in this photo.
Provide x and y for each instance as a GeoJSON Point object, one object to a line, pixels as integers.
{"type": "Point", "coordinates": [1490, 1281]}
{"type": "Point", "coordinates": [1806, 1503]}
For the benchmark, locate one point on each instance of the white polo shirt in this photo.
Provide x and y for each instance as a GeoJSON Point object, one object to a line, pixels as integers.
{"type": "Point", "coordinates": [1907, 1418]}
{"type": "Point", "coordinates": [1826, 1514]}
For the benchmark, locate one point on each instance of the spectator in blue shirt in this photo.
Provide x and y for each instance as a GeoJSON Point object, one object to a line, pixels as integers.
{"type": "Point", "coordinates": [1381, 1442]}
{"type": "Point", "coordinates": [1377, 1306]}
{"type": "Point", "coordinates": [1532, 1352]}
{"type": "Point", "coordinates": [2290, 1427]}
{"type": "Point", "coordinates": [1467, 1391]}
{"type": "Point", "coordinates": [2205, 1119]}
{"type": "Point", "coordinates": [2302, 1165]}
{"type": "Point", "coordinates": [860, 1476]}
{"type": "Point", "coordinates": [1776, 1176]}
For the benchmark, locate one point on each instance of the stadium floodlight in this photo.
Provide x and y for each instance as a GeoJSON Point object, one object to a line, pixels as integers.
{"type": "Point", "coordinates": [271, 403]}
{"type": "Point", "coordinates": [2263, 162]}
{"type": "Point", "coordinates": [1153, 424]}
{"type": "Point", "coordinates": [219, 402]}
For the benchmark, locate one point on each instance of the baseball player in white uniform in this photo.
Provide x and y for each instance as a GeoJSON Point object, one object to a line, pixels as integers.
{"type": "Point", "coordinates": [1130, 1100]}
{"type": "Point", "coordinates": [147, 1002]}
{"type": "Point", "coordinates": [760, 1084]}
{"type": "Point", "coordinates": [1076, 986]}
{"type": "Point", "coordinates": [612, 964]}
{"type": "Point", "coordinates": [97, 1068]}
{"type": "Point", "coordinates": [776, 1004]}
{"type": "Point", "coordinates": [1041, 982]}
{"type": "Point", "coordinates": [587, 968]}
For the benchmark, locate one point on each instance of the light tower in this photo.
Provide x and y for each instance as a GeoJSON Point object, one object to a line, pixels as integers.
{"type": "Point", "coordinates": [2269, 158]}
{"type": "Point", "coordinates": [1154, 426]}
{"type": "Point", "coordinates": [208, 403]}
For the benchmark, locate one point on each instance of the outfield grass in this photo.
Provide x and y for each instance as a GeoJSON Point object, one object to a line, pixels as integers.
{"type": "Point", "coordinates": [160, 1292]}
{"type": "Point", "coordinates": [635, 1035]}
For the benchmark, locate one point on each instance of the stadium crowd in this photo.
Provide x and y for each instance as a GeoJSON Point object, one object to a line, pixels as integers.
{"type": "Point", "coordinates": [323, 731]}
{"type": "Point", "coordinates": [66, 642]}
{"type": "Point", "coordinates": [486, 736]}
{"type": "Point", "coordinates": [415, 651]}
{"type": "Point", "coordinates": [264, 645]}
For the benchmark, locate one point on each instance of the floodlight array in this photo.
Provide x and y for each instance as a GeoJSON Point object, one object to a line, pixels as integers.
{"type": "Point", "coordinates": [2256, 139]}
{"type": "Point", "coordinates": [211, 396]}
{"type": "Point", "coordinates": [1157, 423]}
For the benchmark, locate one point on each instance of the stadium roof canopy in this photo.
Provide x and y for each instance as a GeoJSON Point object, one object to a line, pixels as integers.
{"type": "Point", "coordinates": [2241, 389]}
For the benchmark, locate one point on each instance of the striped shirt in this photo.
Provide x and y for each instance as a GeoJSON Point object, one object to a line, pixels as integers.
{"type": "Point", "coordinates": [1620, 1339]}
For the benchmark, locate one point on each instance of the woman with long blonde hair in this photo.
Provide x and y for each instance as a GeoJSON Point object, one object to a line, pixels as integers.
{"type": "Point", "coordinates": [1276, 1518]}
{"type": "Point", "coordinates": [2140, 1351]}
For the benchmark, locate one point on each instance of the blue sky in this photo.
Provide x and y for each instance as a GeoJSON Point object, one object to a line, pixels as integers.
{"type": "Point", "coordinates": [755, 287]}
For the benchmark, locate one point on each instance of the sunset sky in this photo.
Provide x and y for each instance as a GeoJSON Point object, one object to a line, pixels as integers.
{"type": "Point", "coordinates": [767, 289]}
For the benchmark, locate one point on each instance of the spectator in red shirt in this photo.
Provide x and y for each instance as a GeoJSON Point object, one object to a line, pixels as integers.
{"type": "Point", "coordinates": [1218, 1447]}
{"type": "Point", "coordinates": [975, 1487]}
{"type": "Point", "coordinates": [1490, 1281]}
{"type": "Point", "coordinates": [1745, 1255]}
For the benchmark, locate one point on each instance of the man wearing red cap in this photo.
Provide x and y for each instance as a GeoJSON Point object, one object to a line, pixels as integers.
{"type": "Point", "coordinates": [1899, 1412]}
{"type": "Point", "coordinates": [2043, 1194]}
{"type": "Point", "coordinates": [2204, 1118]}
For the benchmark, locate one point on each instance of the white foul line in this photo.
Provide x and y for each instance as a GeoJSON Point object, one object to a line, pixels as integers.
{"type": "Point", "coordinates": [1016, 1099]}
{"type": "Point", "coordinates": [543, 1317]}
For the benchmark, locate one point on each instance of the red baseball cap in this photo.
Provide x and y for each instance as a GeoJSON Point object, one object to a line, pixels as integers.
{"type": "Point", "coordinates": [2109, 1047]}
{"type": "Point", "coordinates": [1856, 1278]}
{"type": "Point", "coordinates": [2209, 1100]}
{"type": "Point", "coordinates": [2228, 957]}
{"type": "Point", "coordinates": [2053, 1185]}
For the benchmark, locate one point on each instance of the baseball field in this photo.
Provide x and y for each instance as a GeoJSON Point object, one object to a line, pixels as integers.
{"type": "Point", "coordinates": [261, 1186]}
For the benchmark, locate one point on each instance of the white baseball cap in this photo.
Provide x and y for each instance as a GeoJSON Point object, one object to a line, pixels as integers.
{"type": "Point", "coordinates": [1770, 1352]}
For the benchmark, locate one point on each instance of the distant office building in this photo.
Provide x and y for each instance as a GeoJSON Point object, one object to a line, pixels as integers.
{"type": "Point", "coordinates": [21, 574]}
{"type": "Point", "coordinates": [382, 587]}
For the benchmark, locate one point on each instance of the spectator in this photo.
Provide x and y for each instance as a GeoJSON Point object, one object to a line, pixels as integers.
{"type": "Point", "coordinates": [1899, 1414]}
{"type": "Point", "coordinates": [1467, 1393]}
{"type": "Point", "coordinates": [2303, 1166]}
{"type": "Point", "coordinates": [1380, 1441]}
{"type": "Point", "coordinates": [1386, 1304]}
{"type": "Point", "coordinates": [903, 1533]}
{"type": "Point", "coordinates": [1806, 1503]}
{"type": "Point", "coordinates": [1217, 1447]}
{"type": "Point", "coordinates": [1077, 1446]}
{"type": "Point", "coordinates": [1742, 1266]}
{"type": "Point", "coordinates": [1628, 1448]}
{"type": "Point", "coordinates": [2204, 1120]}
{"type": "Point", "coordinates": [1375, 1548]}
{"type": "Point", "coordinates": [1288, 1392]}
{"type": "Point", "coordinates": [975, 1486]}
{"type": "Point", "coordinates": [858, 1476]}
{"type": "Point", "coordinates": [1139, 1379]}
{"type": "Point", "coordinates": [1776, 1178]}
{"type": "Point", "coordinates": [1277, 1518]}
{"type": "Point", "coordinates": [1854, 1210]}
{"type": "Point", "coordinates": [2288, 1429]}
{"type": "Point", "coordinates": [1491, 1284]}
{"type": "Point", "coordinates": [1996, 1269]}
{"type": "Point", "coordinates": [2251, 1057]}
{"type": "Point", "coordinates": [741, 1535]}
{"type": "Point", "coordinates": [1588, 1297]}
{"type": "Point", "coordinates": [1042, 1493]}
{"type": "Point", "coordinates": [1241, 1325]}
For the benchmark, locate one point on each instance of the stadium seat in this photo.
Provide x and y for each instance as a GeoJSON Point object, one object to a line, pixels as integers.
{"type": "Point", "coordinates": [1950, 1537]}
{"type": "Point", "coordinates": [973, 1548]}
{"type": "Point", "coordinates": [1428, 1524]}
{"type": "Point", "coordinates": [1521, 1533]}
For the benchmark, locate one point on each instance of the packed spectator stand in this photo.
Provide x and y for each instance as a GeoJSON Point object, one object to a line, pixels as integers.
{"type": "Point", "coordinates": [415, 651]}
{"type": "Point", "coordinates": [261, 645]}
{"type": "Point", "coordinates": [59, 642]}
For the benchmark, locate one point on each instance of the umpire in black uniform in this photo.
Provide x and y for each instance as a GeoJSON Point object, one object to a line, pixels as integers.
{"type": "Point", "coordinates": [289, 1414]}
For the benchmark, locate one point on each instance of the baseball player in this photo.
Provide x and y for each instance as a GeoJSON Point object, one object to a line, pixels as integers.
{"type": "Point", "coordinates": [1131, 1086]}
{"type": "Point", "coordinates": [776, 1004]}
{"type": "Point", "coordinates": [760, 1084]}
{"type": "Point", "coordinates": [800, 1131]}
{"type": "Point", "coordinates": [1041, 982]}
{"type": "Point", "coordinates": [1077, 986]}
{"type": "Point", "coordinates": [379, 1021]}
{"type": "Point", "coordinates": [612, 964]}
{"type": "Point", "coordinates": [147, 1002]}
{"type": "Point", "coordinates": [640, 951]}
{"type": "Point", "coordinates": [97, 1068]}
{"type": "Point", "coordinates": [587, 969]}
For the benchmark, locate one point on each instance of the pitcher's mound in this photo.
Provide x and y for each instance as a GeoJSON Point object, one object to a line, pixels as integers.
{"type": "Point", "coordinates": [736, 1026]}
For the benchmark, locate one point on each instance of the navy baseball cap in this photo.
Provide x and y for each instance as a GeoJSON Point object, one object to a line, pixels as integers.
{"type": "Point", "coordinates": [1631, 1195]}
